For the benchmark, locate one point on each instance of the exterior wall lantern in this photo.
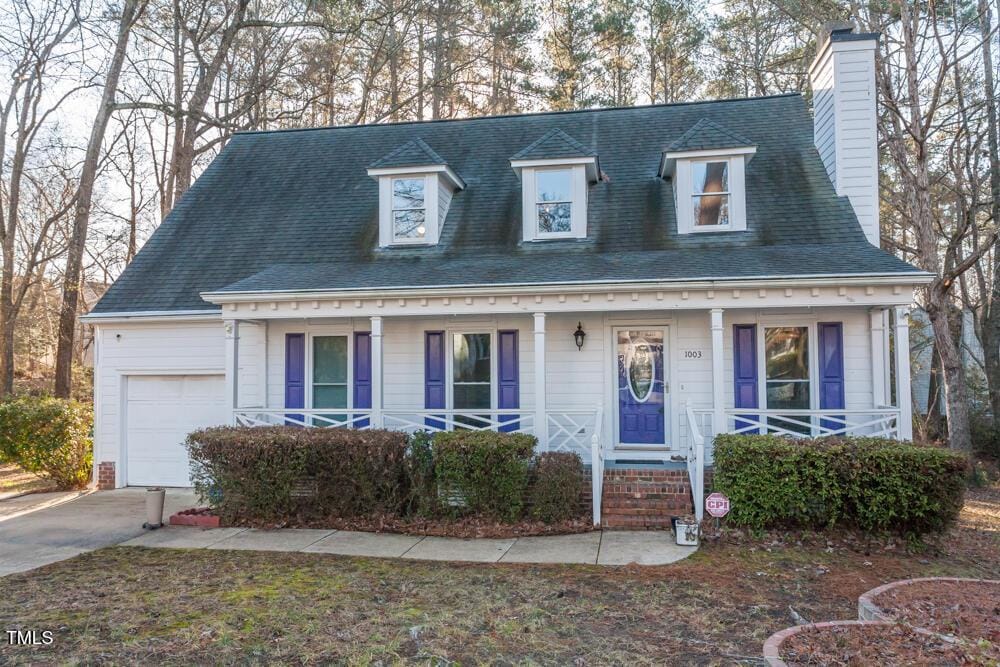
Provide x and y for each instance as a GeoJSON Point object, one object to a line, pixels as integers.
{"type": "Point", "coordinates": [579, 335]}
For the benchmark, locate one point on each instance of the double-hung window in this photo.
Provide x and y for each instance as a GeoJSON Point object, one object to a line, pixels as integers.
{"type": "Point", "coordinates": [472, 376]}
{"type": "Point", "coordinates": [787, 381]}
{"type": "Point", "coordinates": [329, 376]}
{"type": "Point", "coordinates": [409, 209]}
{"type": "Point", "coordinates": [554, 202]}
{"type": "Point", "coordinates": [710, 198]}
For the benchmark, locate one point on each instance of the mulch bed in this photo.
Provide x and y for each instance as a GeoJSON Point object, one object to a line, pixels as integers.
{"type": "Point", "coordinates": [466, 527]}
{"type": "Point", "coordinates": [969, 609]}
{"type": "Point", "coordinates": [877, 645]}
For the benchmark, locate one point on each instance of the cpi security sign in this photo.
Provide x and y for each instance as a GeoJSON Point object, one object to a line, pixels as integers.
{"type": "Point", "coordinates": [717, 505]}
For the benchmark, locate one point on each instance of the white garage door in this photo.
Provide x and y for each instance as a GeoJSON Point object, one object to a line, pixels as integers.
{"type": "Point", "coordinates": [160, 411]}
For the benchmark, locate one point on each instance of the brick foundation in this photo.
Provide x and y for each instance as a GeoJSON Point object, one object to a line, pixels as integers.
{"type": "Point", "coordinates": [644, 498]}
{"type": "Point", "coordinates": [106, 475]}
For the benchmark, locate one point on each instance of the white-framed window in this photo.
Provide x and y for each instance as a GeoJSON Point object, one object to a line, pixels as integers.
{"type": "Point", "coordinates": [409, 209]}
{"type": "Point", "coordinates": [710, 198]}
{"type": "Point", "coordinates": [472, 374]}
{"type": "Point", "coordinates": [555, 201]}
{"type": "Point", "coordinates": [413, 203]}
{"type": "Point", "coordinates": [787, 350]}
{"type": "Point", "coordinates": [710, 192]}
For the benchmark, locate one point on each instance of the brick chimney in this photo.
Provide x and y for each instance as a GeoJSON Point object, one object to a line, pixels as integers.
{"type": "Point", "coordinates": [842, 77]}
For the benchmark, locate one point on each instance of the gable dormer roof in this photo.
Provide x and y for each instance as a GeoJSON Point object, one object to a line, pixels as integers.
{"type": "Point", "coordinates": [706, 135]}
{"type": "Point", "coordinates": [413, 153]}
{"type": "Point", "coordinates": [552, 145]}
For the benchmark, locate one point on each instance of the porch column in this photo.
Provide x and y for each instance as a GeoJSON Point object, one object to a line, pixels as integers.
{"type": "Point", "coordinates": [232, 329]}
{"type": "Point", "coordinates": [376, 371]}
{"type": "Point", "coordinates": [541, 422]}
{"type": "Point", "coordinates": [903, 396]}
{"type": "Point", "coordinates": [718, 374]}
{"type": "Point", "coordinates": [879, 359]}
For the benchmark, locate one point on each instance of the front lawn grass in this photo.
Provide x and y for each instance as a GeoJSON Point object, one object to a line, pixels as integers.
{"type": "Point", "coordinates": [15, 481]}
{"type": "Point", "coordinates": [128, 605]}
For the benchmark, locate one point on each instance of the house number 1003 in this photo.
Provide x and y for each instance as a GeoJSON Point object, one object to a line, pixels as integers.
{"type": "Point", "coordinates": [692, 354]}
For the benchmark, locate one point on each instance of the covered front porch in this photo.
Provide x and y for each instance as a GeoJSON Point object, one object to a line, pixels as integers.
{"type": "Point", "coordinates": [655, 376]}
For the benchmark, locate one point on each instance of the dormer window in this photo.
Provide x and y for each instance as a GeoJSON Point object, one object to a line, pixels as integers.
{"type": "Point", "coordinates": [409, 210]}
{"type": "Point", "coordinates": [710, 205]}
{"type": "Point", "coordinates": [555, 171]}
{"type": "Point", "coordinates": [554, 201]}
{"type": "Point", "coordinates": [707, 167]}
{"type": "Point", "coordinates": [415, 187]}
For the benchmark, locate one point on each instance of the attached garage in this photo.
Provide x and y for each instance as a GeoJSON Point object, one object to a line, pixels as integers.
{"type": "Point", "coordinates": [160, 410]}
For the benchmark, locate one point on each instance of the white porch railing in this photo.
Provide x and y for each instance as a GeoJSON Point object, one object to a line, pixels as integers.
{"type": "Point", "coordinates": [696, 462]}
{"type": "Point", "coordinates": [410, 421]}
{"type": "Point", "coordinates": [328, 418]}
{"type": "Point", "coordinates": [875, 422]}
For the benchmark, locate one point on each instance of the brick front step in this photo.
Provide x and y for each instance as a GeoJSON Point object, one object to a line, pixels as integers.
{"type": "Point", "coordinates": [644, 498]}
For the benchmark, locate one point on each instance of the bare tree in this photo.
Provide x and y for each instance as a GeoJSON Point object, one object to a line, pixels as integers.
{"type": "Point", "coordinates": [85, 196]}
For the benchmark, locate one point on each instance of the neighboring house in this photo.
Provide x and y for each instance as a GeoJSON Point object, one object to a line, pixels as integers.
{"type": "Point", "coordinates": [619, 282]}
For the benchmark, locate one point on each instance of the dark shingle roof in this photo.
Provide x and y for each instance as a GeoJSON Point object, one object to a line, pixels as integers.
{"type": "Point", "coordinates": [296, 210]}
{"type": "Point", "coordinates": [706, 135]}
{"type": "Point", "coordinates": [414, 153]}
{"type": "Point", "coordinates": [554, 144]}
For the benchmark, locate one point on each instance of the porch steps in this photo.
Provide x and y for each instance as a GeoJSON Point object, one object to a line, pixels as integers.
{"type": "Point", "coordinates": [644, 498]}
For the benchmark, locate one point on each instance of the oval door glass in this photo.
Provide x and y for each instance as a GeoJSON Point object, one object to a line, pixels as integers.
{"type": "Point", "coordinates": [641, 370]}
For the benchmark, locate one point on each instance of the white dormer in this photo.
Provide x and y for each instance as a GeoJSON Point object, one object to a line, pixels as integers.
{"type": "Point", "coordinates": [415, 188]}
{"type": "Point", "coordinates": [555, 172]}
{"type": "Point", "coordinates": [707, 167]}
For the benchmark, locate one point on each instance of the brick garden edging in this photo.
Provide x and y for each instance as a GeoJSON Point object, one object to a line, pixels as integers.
{"type": "Point", "coordinates": [194, 517]}
{"type": "Point", "coordinates": [869, 611]}
{"type": "Point", "coordinates": [772, 647]}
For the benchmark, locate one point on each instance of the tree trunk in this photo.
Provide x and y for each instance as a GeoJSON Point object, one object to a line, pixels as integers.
{"type": "Point", "coordinates": [991, 322]}
{"type": "Point", "coordinates": [85, 196]}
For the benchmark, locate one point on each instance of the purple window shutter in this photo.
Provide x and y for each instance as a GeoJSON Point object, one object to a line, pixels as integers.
{"type": "Point", "coordinates": [362, 373]}
{"type": "Point", "coordinates": [508, 389]}
{"type": "Point", "coordinates": [434, 374]}
{"type": "Point", "coordinates": [831, 370]}
{"type": "Point", "coordinates": [744, 370]}
{"type": "Point", "coordinates": [295, 374]}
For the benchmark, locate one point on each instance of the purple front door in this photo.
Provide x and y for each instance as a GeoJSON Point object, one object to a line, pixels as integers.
{"type": "Point", "coordinates": [641, 387]}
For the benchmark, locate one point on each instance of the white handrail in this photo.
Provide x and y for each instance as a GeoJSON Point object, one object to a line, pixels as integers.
{"type": "Point", "coordinates": [596, 469]}
{"type": "Point", "coordinates": [696, 468]}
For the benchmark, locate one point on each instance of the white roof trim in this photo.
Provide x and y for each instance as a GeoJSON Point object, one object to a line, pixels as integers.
{"type": "Point", "coordinates": [670, 158]}
{"type": "Point", "coordinates": [444, 169]}
{"type": "Point", "coordinates": [147, 315]}
{"type": "Point", "coordinates": [910, 278]}
{"type": "Point", "coordinates": [589, 161]}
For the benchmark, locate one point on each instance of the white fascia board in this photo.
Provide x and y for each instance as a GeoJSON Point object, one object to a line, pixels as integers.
{"type": "Point", "coordinates": [444, 169]}
{"type": "Point", "coordinates": [152, 315]}
{"type": "Point", "coordinates": [590, 162]}
{"type": "Point", "coordinates": [914, 278]}
{"type": "Point", "coordinates": [670, 158]}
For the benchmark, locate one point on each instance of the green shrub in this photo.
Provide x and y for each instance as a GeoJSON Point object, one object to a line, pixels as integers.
{"type": "Point", "coordinates": [869, 483]}
{"type": "Point", "coordinates": [278, 472]}
{"type": "Point", "coordinates": [49, 437]}
{"type": "Point", "coordinates": [488, 470]}
{"type": "Point", "coordinates": [555, 489]}
{"type": "Point", "coordinates": [424, 498]}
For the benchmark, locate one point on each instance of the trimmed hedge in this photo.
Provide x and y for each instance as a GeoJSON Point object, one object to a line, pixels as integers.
{"type": "Point", "coordinates": [275, 472]}
{"type": "Point", "coordinates": [869, 483]}
{"type": "Point", "coordinates": [555, 491]}
{"type": "Point", "coordinates": [487, 470]}
{"type": "Point", "coordinates": [49, 437]}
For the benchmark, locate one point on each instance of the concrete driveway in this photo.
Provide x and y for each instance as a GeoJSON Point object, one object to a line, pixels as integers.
{"type": "Point", "coordinates": [89, 522]}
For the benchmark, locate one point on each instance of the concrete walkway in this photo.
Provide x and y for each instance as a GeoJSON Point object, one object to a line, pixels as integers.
{"type": "Point", "coordinates": [599, 547]}
{"type": "Point", "coordinates": [38, 532]}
